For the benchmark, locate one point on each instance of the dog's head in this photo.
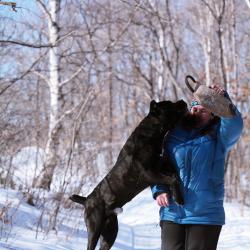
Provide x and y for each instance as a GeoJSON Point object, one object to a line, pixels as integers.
{"type": "Point", "coordinates": [167, 112]}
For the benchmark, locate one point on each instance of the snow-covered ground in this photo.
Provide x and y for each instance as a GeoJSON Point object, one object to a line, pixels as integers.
{"type": "Point", "coordinates": [21, 227]}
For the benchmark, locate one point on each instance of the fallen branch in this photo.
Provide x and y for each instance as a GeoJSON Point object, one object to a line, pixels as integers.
{"type": "Point", "coordinates": [12, 4]}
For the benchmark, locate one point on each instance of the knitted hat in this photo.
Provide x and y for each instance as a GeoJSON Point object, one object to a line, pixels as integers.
{"type": "Point", "coordinates": [194, 103]}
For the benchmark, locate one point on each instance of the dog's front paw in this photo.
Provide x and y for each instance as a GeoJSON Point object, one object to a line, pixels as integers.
{"type": "Point", "coordinates": [179, 199]}
{"type": "Point", "coordinates": [173, 180]}
{"type": "Point", "coordinates": [177, 194]}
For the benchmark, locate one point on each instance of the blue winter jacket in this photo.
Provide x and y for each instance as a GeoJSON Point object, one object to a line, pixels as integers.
{"type": "Point", "coordinates": [199, 160]}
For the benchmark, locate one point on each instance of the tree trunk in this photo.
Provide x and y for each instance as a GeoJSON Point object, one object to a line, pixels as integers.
{"type": "Point", "coordinates": [221, 38]}
{"type": "Point", "coordinates": [111, 90]}
{"type": "Point", "coordinates": [206, 28]}
{"type": "Point", "coordinates": [51, 157]}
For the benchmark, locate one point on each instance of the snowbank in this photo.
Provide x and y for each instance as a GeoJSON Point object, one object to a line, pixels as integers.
{"type": "Point", "coordinates": [21, 227]}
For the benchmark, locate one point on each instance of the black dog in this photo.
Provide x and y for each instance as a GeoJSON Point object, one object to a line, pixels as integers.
{"type": "Point", "coordinates": [138, 166]}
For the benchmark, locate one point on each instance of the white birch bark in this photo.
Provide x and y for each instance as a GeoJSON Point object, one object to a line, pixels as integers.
{"type": "Point", "coordinates": [54, 64]}
{"type": "Point", "coordinates": [51, 158]}
{"type": "Point", "coordinates": [165, 71]}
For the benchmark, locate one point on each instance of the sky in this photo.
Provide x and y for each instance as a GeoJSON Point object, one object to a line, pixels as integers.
{"type": "Point", "coordinates": [24, 8]}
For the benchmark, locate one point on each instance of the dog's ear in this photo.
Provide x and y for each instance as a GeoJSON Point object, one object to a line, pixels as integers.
{"type": "Point", "coordinates": [153, 107]}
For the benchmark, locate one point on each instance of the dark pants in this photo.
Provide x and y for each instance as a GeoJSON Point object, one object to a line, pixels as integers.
{"type": "Point", "coordinates": [189, 237]}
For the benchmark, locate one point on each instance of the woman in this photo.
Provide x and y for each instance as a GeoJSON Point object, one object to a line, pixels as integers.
{"type": "Point", "coordinates": [198, 148]}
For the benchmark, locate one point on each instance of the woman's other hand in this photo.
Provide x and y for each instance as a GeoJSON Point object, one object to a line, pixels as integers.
{"type": "Point", "coordinates": [162, 200]}
{"type": "Point", "coordinates": [220, 90]}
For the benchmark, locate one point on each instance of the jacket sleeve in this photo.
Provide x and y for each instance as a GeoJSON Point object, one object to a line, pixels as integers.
{"type": "Point", "coordinates": [230, 129]}
{"type": "Point", "coordinates": [158, 189]}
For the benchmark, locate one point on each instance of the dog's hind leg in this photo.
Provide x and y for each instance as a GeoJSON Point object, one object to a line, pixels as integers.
{"type": "Point", "coordinates": [109, 232]}
{"type": "Point", "coordinates": [94, 222]}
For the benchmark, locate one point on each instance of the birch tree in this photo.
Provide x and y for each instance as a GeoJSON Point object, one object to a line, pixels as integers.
{"type": "Point", "coordinates": [51, 150]}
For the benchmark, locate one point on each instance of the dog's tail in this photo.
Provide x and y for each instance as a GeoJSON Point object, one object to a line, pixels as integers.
{"type": "Point", "coordinates": [78, 199]}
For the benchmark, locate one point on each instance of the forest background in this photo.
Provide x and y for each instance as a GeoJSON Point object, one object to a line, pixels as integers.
{"type": "Point", "coordinates": [77, 76]}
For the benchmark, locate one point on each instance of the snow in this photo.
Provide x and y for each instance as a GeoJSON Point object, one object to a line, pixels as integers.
{"type": "Point", "coordinates": [27, 164]}
{"type": "Point", "coordinates": [21, 227]}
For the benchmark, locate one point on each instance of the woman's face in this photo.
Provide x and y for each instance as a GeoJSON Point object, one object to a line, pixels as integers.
{"type": "Point", "coordinates": [202, 115]}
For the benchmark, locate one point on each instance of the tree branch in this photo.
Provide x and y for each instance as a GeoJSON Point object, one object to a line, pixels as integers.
{"type": "Point", "coordinates": [37, 46]}
{"type": "Point", "coordinates": [44, 9]}
{"type": "Point", "coordinates": [12, 4]}
{"type": "Point", "coordinates": [72, 77]}
{"type": "Point", "coordinates": [13, 81]}
{"type": "Point", "coordinates": [210, 9]}
{"type": "Point", "coordinates": [42, 76]}
{"type": "Point", "coordinates": [25, 44]}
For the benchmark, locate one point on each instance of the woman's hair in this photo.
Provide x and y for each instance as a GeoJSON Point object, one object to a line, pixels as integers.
{"type": "Point", "coordinates": [209, 129]}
